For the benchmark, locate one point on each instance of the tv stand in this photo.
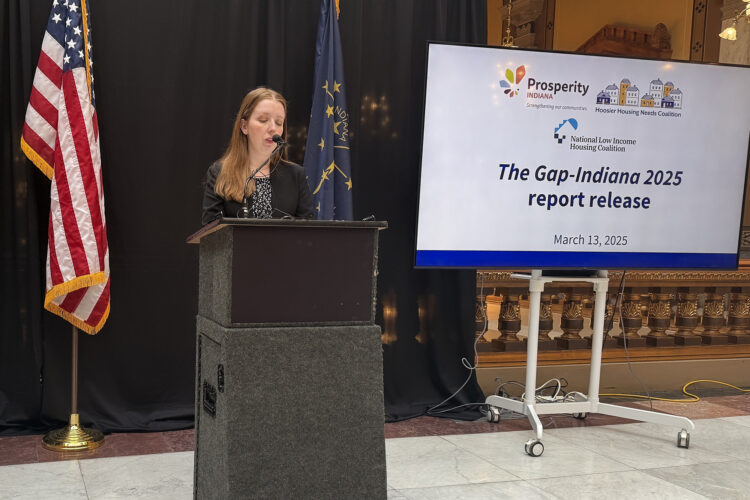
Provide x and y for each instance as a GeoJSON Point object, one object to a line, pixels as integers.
{"type": "Point", "coordinates": [584, 404]}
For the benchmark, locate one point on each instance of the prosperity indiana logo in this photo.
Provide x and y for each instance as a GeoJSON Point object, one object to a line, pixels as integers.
{"type": "Point", "coordinates": [512, 79]}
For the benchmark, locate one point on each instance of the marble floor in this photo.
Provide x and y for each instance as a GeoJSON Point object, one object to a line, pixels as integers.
{"type": "Point", "coordinates": [430, 458]}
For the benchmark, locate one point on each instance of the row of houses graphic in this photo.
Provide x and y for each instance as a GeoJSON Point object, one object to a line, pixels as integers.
{"type": "Point", "coordinates": [659, 95]}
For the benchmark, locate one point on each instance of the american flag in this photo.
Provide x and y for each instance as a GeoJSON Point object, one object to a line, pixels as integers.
{"type": "Point", "coordinates": [61, 137]}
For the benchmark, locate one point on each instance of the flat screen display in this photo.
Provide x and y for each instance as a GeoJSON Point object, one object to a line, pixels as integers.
{"type": "Point", "coordinates": [554, 160]}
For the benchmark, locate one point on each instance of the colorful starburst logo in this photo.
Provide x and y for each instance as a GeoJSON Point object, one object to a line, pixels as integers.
{"type": "Point", "coordinates": [512, 79]}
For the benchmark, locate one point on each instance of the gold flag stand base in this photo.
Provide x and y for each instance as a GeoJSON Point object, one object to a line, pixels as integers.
{"type": "Point", "coordinates": [73, 437]}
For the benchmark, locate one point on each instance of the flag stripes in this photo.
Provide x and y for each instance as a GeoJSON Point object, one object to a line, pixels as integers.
{"type": "Point", "coordinates": [61, 137]}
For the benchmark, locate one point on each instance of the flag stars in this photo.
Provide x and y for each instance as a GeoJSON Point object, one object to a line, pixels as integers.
{"type": "Point", "coordinates": [71, 44]}
{"type": "Point", "coordinates": [336, 86]}
{"type": "Point", "coordinates": [80, 54]}
{"type": "Point", "coordinates": [348, 185]}
{"type": "Point", "coordinates": [329, 109]}
{"type": "Point", "coordinates": [73, 7]}
{"type": "Point", "coordinates": [77, 30]}
{"type": "Point", "coordinates": [322, 144]}
{"type": "Point", "coordinates": [66, 59]}
{"type": "Point", "coordinates": [325, 87]}
{"type": "Point", "coordinates": [67, 22]}
{"type": "Point", "coordinates": [55, 3]}
{"type": "Point", "coordinates": [56, 18]}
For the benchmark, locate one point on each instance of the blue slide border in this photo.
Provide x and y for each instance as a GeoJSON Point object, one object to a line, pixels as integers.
{"type": "Point", "coordinates": [578, 260]}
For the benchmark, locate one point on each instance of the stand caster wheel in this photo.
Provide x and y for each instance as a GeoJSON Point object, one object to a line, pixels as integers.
{"type": "Point", "coordinates": [534, 447]}
{"type": "Point", "coordinates": [683, 439]}
{"type": "Point", "coordinates": [581, 416]}
{"type": "Point", "coordinates": [493, 414]}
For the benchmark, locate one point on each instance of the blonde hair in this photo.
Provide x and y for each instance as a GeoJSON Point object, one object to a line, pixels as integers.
{"type": "Point", "coordinates": [231, 180]}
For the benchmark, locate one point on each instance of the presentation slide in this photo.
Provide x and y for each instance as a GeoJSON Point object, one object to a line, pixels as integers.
{"type": "Point", "coordinates": [551, 160]}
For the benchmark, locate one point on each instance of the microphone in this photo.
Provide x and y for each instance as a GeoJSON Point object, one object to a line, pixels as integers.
{"type": "Point", "coordinates": [244, 212]}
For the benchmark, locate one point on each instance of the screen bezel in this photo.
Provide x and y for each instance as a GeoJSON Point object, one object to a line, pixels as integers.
{"type": "Point", "coordinates": [430, 43]}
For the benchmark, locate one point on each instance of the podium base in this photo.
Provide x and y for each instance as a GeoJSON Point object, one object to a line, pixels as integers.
{"type": "Point", "coordinates": [289, 412]}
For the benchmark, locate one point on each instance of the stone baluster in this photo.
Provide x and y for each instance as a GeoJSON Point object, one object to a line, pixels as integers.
{"type": "Point", "coordinates": [509, 324]}
{"type": "Point", "coordinates": [546, 343]}
{"type": "Point", "coordinates": [632, 320]}
{"type": "Point", "coordinates": [609, 311]}
{"type": "Point", "coordinates": [572, 324]}
{"type": "Point", "coordinates": [739, 318]}
{"type": "Point", "coordinates": [713, 320]}
{"type": "Point", "coordinates": [687, 319]}
{"type": "Point", "coordinates": [480, 323]}
{"type": "Point", "coordinates": [659, 319]}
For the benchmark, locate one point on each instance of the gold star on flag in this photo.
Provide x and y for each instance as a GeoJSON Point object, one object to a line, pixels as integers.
{"type": "Point", "coordinates": [325, 87]}
{"type": "Point", "coordinates": [318, 207]}
{"type": "Point", "coordinates": [322, 144]}
{"type": "Point", "coordinates": [348, 185]}
{"type": "Point", "coordinates": [336, 86]}
{"type": "Point", "coordinates": [324, 175]}
{"type": "Point", "coordinates": [329, 111]}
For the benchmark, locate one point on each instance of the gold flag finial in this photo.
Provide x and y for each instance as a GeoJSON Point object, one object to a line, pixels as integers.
{"type": "Point", "coordinates": [338, 9]}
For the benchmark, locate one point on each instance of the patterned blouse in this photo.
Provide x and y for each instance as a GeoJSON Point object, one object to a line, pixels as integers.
{"type": "Point", "coordinates": [261, 207]}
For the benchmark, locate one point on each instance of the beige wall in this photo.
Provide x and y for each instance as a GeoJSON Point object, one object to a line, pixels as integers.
{"type": "Point", "coordinates": [577, 20]}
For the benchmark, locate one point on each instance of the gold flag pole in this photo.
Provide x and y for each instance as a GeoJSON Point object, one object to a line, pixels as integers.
{"type": "Point", "coordinates": [73, 437]}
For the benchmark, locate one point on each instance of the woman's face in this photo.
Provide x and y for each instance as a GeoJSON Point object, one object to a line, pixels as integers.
{"type": "Point", "coordinates": [266, 120]}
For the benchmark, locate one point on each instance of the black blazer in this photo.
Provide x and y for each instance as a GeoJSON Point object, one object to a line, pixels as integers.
{"type": "Point", "coordinates": [290, 194]}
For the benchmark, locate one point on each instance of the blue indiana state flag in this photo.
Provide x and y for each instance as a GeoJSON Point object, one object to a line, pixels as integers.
{"type": "Point", "coordinates": [327, 163]}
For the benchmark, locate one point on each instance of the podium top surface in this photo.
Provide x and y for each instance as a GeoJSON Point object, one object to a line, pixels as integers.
{"type": "Point", "coordinates": [335, 224]}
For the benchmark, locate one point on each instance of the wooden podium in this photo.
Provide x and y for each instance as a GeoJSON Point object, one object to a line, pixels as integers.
{"type": "Point", "coordinates": [289, 376]}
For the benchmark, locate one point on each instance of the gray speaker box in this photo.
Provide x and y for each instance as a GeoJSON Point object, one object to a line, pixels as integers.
{"type": "Point", "coordinates": [289, 412]}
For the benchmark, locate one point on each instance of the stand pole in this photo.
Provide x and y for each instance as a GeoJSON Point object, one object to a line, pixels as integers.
{"type": "Point", "coordinates": [532, 345]}
{"type": "Point", "coordinates": [73, 437]}
{"type": "Point", "coordinates": [600, 305]}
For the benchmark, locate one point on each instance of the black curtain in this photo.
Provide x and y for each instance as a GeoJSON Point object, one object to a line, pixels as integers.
{"type": "Point", "coordinates": [169, 77]}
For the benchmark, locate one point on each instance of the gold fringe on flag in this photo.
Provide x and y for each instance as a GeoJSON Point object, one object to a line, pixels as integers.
{"type": "Point", "coordinates": [55, 309]}
{"type": "Point", "coordinates": [37, 160]}
{"type": "Point", "coordinates": [71, 286]}
{"type": "Point", "coordinates": [85, 37]}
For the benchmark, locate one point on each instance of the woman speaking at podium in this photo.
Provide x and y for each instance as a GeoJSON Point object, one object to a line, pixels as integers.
{"type": "Point", "coordinates": [252, 179]}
